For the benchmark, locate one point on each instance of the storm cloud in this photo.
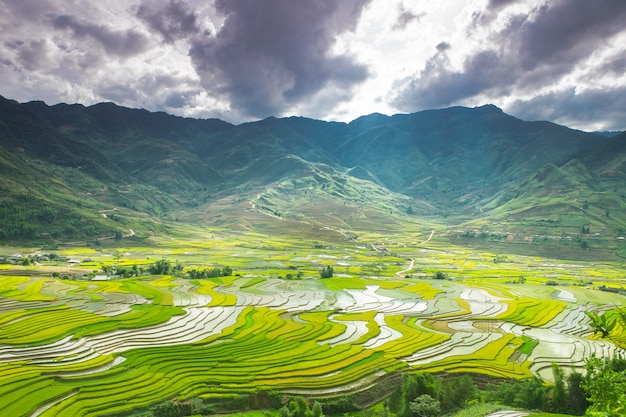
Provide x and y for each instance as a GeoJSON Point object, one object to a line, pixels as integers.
{"type": "Point", "coordinates": [240, 60]}
{"type": "Point", "coordinates": [116, 42]}
{"type": "Point", "coordinates": [269, 56]}
{"type": "Point", "coordinates": [570, 107]}
{"type": "Point", "coordinates": [174, 22]}
{"type": "Point", "coordinates": [533, 51]}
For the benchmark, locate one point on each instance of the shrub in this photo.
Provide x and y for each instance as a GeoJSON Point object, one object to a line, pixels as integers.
{"type": "Point", "coordinates": [326, 272]}
{"type": "Point", "coordinates": [440, 275]}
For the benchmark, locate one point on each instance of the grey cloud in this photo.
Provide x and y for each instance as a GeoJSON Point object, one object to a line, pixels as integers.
{"type": "Point", "coordinates": [606, 108]}
{"type": "Point", "coordinates": [568, 30]}
{"type": "Point", "coordinates": [33, 54]}
{"type": "Point", "coordinates": [116, 42]}
{"type": "Point", "coordinates": [437, 86]}
{"type": "Point", "coordinates": [271, 55]}
{"type": "Point", "coordinates": [499, 4]}
{"type": "Point", "coordinates": [29, 10]}
{"type": "Point", "coordinates": [532, 52]}
{"type": "Point", "coordinates": [176, 101]}
{"type": "Point", "coordinates": [175, 21]}
{"type": "Point", "coordinates": [406, 17]}
{"type": "Point", "coordinates": [443, 46]}
{"type": "Point", "coordinates": [153, 91]}
{"type": "Point", "coordinates": [485, 17]}
{"type": "Point", "coordinates": [615, 65]}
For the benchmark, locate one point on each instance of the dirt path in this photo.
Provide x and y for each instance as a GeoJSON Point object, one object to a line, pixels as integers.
{"type": "Point", "coordinates": [432, 233]}
{"type": "Point", "coordinates": [253, 204]}
{"type": "Point", "coordinates": [404, 271]}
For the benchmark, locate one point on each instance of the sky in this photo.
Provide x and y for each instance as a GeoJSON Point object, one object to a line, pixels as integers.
{"type": "Point", "coordinates": [242, 60]}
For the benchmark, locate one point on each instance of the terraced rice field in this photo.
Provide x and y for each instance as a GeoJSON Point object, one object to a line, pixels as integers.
{"type": "Point", "coordinates": [75, 348]}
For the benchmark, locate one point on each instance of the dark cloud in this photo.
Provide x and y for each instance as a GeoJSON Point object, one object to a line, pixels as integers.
{"type": "Point", "coordinates": [437, 86]}
{"type": "Point", "coordinates": [496, 5]}
{"type": "Point", "coordinates": [615, 65]}
{"type": "Point", "coordinates": [150, 90]}
{"type": "Point", "coordinates": [443, 46]}
{"type": "Point", "coordinates": [27, 10]}
{"type": "Point", "coordinates": [270, 55]}
{"type": "Point", "coordinates": [176, 100]}
{"type": "Point", "coordinates": [568, 30]}
{"type": "Point", "coordinates": [175, 21]}
{"type": "Point", "coordinates": [116, 42]}
{"type": "Point", "coordinates": [405, 17]}
{"type": "Point", "coordinates": [606, 108]}
{"type": "Point", "coordinates": [33, 54]}
{"type": "Point", "coordinates": [533, 51]}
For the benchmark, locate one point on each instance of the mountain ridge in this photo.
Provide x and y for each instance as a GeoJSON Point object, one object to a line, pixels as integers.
{"type": "Point", "coordinates": [462, 163]}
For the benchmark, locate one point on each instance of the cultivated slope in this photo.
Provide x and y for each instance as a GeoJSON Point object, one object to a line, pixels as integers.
{"type": "Point", "coordinates": [451, 165]}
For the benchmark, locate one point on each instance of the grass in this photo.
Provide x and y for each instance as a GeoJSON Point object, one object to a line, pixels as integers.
{"type": "Point", "coordinates": [479, 410]}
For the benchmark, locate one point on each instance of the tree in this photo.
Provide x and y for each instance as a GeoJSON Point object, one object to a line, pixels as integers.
{"type": "Point", "coordinates": [326, 272]}
{"type": "Point", "coordinates": [412, 387]}
{"type": "Point", "coordinates": [161, 267]}
{"type": "Point", "coordinates": [440, 275]}
{"type": "Point", "coordinates": [559, 394]}
{"type": "Point", "coordinates": [606, 389]}
{"type": "Point", "coordinates": [601, 323]}
{"type": "Point", "coordinates": [531, 394]}
{"type": "Point", "coordinates": [457, 393]}
{"type": "Point", "coordinates": [316, 411]}
{"type": "Point", "coordinates": [465, 390]}
{"type": "Point", "coordinates": [166, 409]}
{"type": "Point", "coordinates": [576, 396]}
{"type": "Point", "coordinates": [298, 407]}
{"type": "Point", "coordinates": [425, 406]}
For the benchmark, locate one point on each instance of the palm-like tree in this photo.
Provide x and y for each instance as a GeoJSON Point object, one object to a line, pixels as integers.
{"type": "Point", "coordinates": [601, 324]}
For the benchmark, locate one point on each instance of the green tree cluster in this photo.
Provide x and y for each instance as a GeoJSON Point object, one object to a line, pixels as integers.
{"type": "Point", "coordinates": [170, 409]}
{"type": "Point", "coordinates": [326, 272]}
{"type": "Point", "coordinates": [425, 395]}
{"type": "Point", "coordinates": [440, 275]}
{"type": "Point", "coordinates": [26, 217]}
{"type": "Point", "coordinates": [209, 272]}
{"type": "Point", "coordinates": [605, 384]}
{"type": "Point", "coordinates": [161, 267]}
{"type": "Point", "coordinates": [300, 407]}
{"type": "Point", "coordinates": [165, 267]}
{"type": "Point", "coordinates": [425, 406]}
{"type": "Point", "coordinates": [123, 271]}
{"type": "Point", "coordinates": [600, 392]}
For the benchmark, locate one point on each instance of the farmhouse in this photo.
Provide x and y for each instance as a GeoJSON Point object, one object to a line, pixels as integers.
{"type": "Point", "coordinates": [101, 278]}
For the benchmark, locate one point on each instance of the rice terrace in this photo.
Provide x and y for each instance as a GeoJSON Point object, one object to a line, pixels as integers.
{"type": "Point", "coordinates": [110, 345]}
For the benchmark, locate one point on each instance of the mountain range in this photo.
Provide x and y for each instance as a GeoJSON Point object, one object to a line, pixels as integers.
{"type": "Point", "coordinates": [75, 172]}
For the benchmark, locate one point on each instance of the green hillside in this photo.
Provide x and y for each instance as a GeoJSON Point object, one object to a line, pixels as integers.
{"type": "Point", "coordinates": [473, 169]}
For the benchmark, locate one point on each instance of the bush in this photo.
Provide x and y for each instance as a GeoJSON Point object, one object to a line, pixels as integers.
{"type": "Point", "coordinates": [326, 272]}
{"type": "Point", "coordinates": [440, 275]}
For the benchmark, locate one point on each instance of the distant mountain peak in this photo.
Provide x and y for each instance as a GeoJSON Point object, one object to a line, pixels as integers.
{"type": "Point", "coordinates": [491, 108]}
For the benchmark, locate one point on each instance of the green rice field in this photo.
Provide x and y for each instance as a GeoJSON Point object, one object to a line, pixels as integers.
{"type": "Point", "coordinates": [74, 346]}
